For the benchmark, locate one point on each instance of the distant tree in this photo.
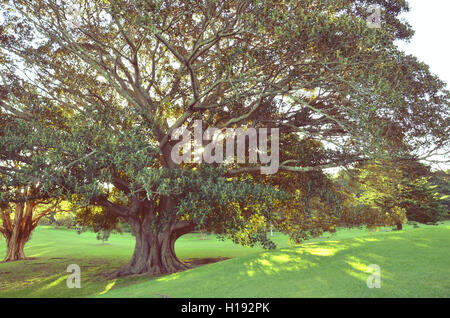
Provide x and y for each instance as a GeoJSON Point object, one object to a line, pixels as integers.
{"type": "Point", "coordinates": [18, 220]}
{"type": "Point", "coordinates": [421, 200]}
{"type": "Point", "coordinates": [442, 180]}
{"type": "Point", "coordinates": [400, 191]}
{"type": "Point", "coordinates": [370, 196]}
{"type": "Point", "coordinates": [100, 220]}
{"type": "Point", "coordinates": [67, 220]}
{"type": "Point", "coordinates": [103, 235]}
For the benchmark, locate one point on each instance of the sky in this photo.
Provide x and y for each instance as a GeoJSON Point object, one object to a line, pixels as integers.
{"type": "Point", "coordinates": [431, 21]}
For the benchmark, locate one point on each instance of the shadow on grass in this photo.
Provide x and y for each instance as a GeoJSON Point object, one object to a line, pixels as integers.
{"type": "Point", "coordinates": [46, 277]}
{"type": "Point", "coordinates": [413, 264]}
{"type": "Point", "coordinates": [338, 266]}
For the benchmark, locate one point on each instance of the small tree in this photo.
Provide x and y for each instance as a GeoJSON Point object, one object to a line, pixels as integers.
{"type": "Point", "coordinates": [442, 180]}
{"type": "Point", "coordinates": [67, 220]}
{"type": "Point", "coordinates": [100, 220]}
{"type": "Point", "coordinates": [18, 219]}
{"type": "Point", "coordinates": [103, 235]}
{"type": "Point", "coordinates": [421, 201]}
{"type": "Point", "coordinates": [392, 193]}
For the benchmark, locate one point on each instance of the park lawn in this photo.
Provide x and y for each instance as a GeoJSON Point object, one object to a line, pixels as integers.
{"type": "Point", "coordinates": [52, 249]}
{"type": "Point", "coordinates": [414, 263]}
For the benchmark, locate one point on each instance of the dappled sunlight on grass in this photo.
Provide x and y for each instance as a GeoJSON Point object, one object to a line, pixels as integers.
{"type": "Point", "coordinates": [39, 245]}
{"type": "Point", "coordinates": [264, 262]}
{"type": "Point", "coordinates": [335, 245]}
{"type": "Point", "coordinates": [108, 287]}
{"type": "Point", "coordinates": [366, 239]}
{"type": "Point", "coordinates": [42, 252]}
{"type": "Point", "coordinates": [355, 263]}
{"type": "Point", "coordinates": [46, 277]}
{"type": "Point", "coordinates": [168, 277]}
{"type": "Point", "coordinates": [294, 259]}
{"type": "Point", "coordinates": [54, 283]}
{"type": "Point", "coordinates": [275, 262]}
{"type": "Point", "coordinates": [375, 257]}
{"type": "Point", "coordinates": [361, 269]}
{"type": "Point", "coordinates": [356, 274]}
{"type": "Point", "coordinates": [396, 237]}
{"type": "Point", "coordinates": [370, 239]}
{"type": "Point", "coordinates": [414, 263]}
{"type": "Point", "coordinates": [323, 263]}
{"type": "Point", "coordinates": [321, 251]}
{"type": "Point", "coordinates": [281, 258]}
{"type": "Point", "coordinates": [422, 245]}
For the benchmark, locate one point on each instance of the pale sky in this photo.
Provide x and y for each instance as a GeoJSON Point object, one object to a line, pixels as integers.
{"type": "Point", "coordinates": [431, 21]}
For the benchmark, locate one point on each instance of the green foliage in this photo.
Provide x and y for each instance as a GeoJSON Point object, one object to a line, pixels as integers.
{"type": "Point", "coordinates": [442, 181]}
{"type": "Point", "coordinates": [100, 220]}
{"type": "Point", "coordinates": [103, 235]}
{"type": "Point", "coordinates": [240, 209]}
{"type": "Point", "coordinates": [389, 193]}
{"type": "Point", "coordinates": [47, 220]}
{"type": "Point", "coordinates": [421, 201]}
{"type": "Point", "coordinates": [313, 208]}
{"type": "Point", "coordinates": [67, 220]}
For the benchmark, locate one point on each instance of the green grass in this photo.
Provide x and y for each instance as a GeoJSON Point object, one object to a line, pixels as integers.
{"type": "Point", "coordinates": [414, 263]}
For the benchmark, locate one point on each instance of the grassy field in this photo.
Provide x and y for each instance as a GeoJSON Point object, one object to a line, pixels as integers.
{"type": "Point", "coordinates": [414, 263]}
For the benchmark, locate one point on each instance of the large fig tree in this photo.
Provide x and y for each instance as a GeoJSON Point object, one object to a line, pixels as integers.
{"type": "Point", "coordinates": [105, 84]}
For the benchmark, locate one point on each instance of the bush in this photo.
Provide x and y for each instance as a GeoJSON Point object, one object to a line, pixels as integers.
{"type": "Point", "coordinates": [46, 220]}
{"type": "Point", "coordinates": [103, 235]}
{"type": "Point", "coordinates": [66, 219]}
{"type": "Point", "coordinates": [124, 227]}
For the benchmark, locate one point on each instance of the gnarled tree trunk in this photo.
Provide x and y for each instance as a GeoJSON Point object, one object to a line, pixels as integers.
{"type": "Point", "coordinates": [15, 250]}
{"type": "Point", "coordinates": [18, 233]}
{"type": "Point", "coordinates": [154, 252]}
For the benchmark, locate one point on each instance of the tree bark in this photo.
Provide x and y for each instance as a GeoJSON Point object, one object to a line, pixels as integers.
{"type": "Point", "coordinates": [399, 226]}
{"type": "Point", "coordinates": [18, 233]}
{"type": "Point", "coordinates": [15, 250]}
{"type": "Point", "coordinates": [154, 253]}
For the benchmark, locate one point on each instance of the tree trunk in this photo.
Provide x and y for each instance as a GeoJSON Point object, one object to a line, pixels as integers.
{"type": "Point", "coordinates": [15, 249]}
{"type": "Point", "coordinates": [399, 226]}
{"type": "Point", "coordinates": [154, 253]}
{"type": "Point", "coordinates": [18, 234]}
